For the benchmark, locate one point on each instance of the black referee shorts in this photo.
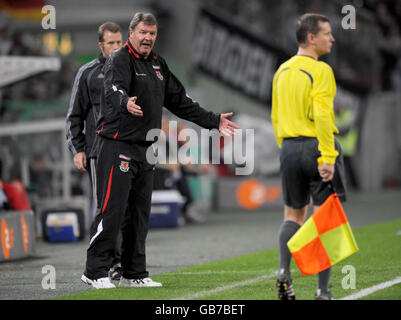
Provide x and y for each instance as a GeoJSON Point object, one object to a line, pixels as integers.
{"type": "Point", "coordinates": [300, 175]}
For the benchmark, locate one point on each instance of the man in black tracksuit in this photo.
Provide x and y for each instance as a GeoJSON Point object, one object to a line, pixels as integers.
{"type": "Point", "coordinates": [137, 84]}
{"type": "Point", "coordinates": [84, 107]}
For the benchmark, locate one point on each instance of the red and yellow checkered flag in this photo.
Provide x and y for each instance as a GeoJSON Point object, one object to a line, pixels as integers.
{"type": "Point", "coordinates": [324, 239]}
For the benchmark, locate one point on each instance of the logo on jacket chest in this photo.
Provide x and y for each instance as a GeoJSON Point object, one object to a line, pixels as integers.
{"type": "Point", "coordinates": [158, 73]}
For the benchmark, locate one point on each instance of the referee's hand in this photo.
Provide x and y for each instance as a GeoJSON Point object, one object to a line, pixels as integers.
{"type": "Point", "coordinates": [133, 108]}
{"type": "Point", "coordinates": [326, 171]}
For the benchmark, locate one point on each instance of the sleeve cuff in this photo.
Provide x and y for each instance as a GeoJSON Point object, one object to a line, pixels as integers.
{"type": "Point", "coordinates": [123, 104]}
{"type": "Point", "coordinates": [328, 160]}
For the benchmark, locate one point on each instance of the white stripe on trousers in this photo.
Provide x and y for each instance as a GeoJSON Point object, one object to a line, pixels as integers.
{"type": "Point", "coordinates": [94, 195]}
{"type": "Point", "coordinates": [93, 178]}
{"type": "Point", "coordinates": [99, 231]}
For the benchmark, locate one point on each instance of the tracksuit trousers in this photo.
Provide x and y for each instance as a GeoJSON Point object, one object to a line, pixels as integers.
{"type": "Point", "coordinates": [124, 191]}
{"type": "Point", "coordinates": [91, 168]}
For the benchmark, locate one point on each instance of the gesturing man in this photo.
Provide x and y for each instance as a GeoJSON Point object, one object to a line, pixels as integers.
{"type": "Point", "coordinates": [303, 118]}
{"type": "Point", "coordinates": [137, 85]}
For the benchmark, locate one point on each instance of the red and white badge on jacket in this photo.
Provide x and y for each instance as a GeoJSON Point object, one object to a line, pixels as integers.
{"type": "Point", "coordinates": [124, 164]}
{"type": "Point", "coordinates": [158, 73]}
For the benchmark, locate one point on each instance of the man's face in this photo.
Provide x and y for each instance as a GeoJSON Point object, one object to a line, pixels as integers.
{"type": "Point", "coordinates": [143, 38]}
{"type": "Point", "coordinates": [323, 40]}
{"type": "Point", "coordinates": [111, 42]}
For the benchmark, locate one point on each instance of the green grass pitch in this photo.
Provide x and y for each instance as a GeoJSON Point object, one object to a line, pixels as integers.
{"type": "Point", "coordinates": [252, 276]}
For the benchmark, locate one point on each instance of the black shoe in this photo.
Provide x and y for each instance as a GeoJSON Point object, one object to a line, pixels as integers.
{"type": "Point", "coordinates": [115, 272]}
{"type": "Point", "coordinates": [320, 295]}
{"type": "Point", "coordinates": [284, 286]}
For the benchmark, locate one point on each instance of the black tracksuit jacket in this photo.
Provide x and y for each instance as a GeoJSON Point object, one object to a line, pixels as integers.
{"type": "Point", "coordinates": [128, 74]}
{"type": "Point", "coordinates": [84, 106]}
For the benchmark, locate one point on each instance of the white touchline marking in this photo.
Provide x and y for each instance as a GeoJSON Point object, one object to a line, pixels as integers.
{"type": "Point", "coordinates": [211, 272]}
{"type": "Point", "coordinates": [368, 291]}
{"type": "Point", "coordinates": [227, 287]}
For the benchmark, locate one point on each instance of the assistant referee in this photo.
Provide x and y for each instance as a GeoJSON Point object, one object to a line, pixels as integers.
{"type": "Point", "coordinates": [303, 119]}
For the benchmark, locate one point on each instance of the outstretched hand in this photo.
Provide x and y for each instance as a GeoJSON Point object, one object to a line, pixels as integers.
{"type": "Point", "coordinates": [226, 126]}
{"type": "Point", "coordinates": [133, 108]}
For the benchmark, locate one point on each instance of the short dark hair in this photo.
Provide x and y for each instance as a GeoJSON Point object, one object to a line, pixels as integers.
{"type": "Point", "coordinates": [308, 23]}
{"type": "Point", "coordinates": [109, 26]}
{"type": "Point", "coordinates": [146, 18]}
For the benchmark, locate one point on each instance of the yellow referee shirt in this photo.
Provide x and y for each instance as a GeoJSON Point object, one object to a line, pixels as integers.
{"type": "Point", "coordinates": [302, 103]}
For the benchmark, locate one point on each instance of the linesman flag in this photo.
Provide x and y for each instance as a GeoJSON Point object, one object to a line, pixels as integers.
{"type": "Point", "coordinates": [324, 239]}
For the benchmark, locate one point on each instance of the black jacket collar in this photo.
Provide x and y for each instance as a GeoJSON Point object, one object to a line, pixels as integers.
{"type": "Point", "coordinates": [101, 58]}
{"type": "Point", "coordinates": [135, 53]}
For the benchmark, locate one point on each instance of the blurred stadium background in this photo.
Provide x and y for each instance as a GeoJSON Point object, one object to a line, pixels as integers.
{"type": "Point", "coordinates": [225, 52]}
